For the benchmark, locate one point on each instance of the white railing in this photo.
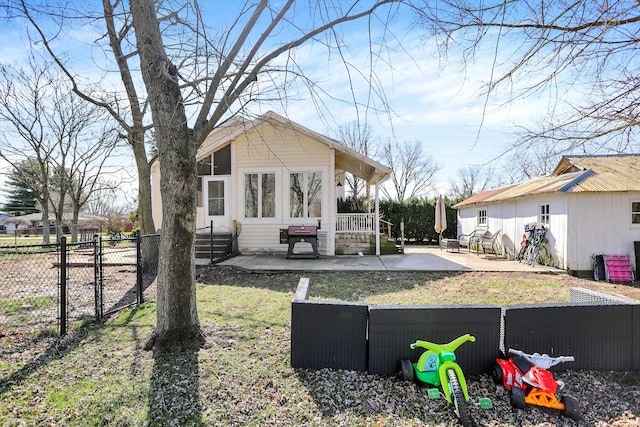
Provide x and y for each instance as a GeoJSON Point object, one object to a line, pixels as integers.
{"type": "Point", "coordinates": [356, 223]}
{"type": "Point", "coordinates": [362, 223]}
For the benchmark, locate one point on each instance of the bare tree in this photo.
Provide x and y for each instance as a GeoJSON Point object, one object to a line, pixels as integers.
{"type": "Point", "coordinates": [230, 83]}
{"type": "Point", "coordinates": [26, 141]}
{"type": "Point", "coordinates": [108, 201]}
{"type": "Point", "coordinates": [412, 172]}
{"type": "Point", "coordinates": [124, 104]}
{"type": "Point", "coordinates": [582, 54]}
{"type": "Point", "coordinates": [359, 139]}
{"type": "Point", "coordinates": [193, 83]}
{"type": "Point", "coordinates": [87, 160]}
{"type": "Point", "coordinates": [471, 180]}
{"type": "Point", "coordinates": [533, 160]}
{"type": "Point", "coordinates": [50, 127]}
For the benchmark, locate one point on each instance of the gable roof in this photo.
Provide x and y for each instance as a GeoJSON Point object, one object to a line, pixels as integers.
{"type": "Point", "coordinates": [573, 174]}
{"type": "Point", "coordinates": [346, 159]}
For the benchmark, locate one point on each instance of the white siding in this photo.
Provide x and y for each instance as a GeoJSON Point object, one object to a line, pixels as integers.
{"type": "Point", "coordinates": [156, 199]}
{"type": "Point", "coordinates": [282, 151]}
{"type": "Point", "coordinates": [509, 217]}
{"type": "Point", "coordinates": [270, 147]}
{"type": "Point", "coordinates": [600, 223]}
{"type": "Point", "coordinates": [580, 225]}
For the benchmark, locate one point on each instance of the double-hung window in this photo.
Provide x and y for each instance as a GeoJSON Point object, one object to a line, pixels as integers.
{"type": "Point", "coordinates": [305, 195]}
{"type": "Point", "coordinates": [260, 195]}
{"type": "Point", "coordinates": [545, 214]}
{"type": "Point", "coordinates": [635, 212]}
{"type": "Point", "coordinates": [482, 216]}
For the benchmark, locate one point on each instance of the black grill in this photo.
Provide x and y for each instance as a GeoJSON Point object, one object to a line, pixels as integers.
{"type": "Point", "coordinates": [302, 233]}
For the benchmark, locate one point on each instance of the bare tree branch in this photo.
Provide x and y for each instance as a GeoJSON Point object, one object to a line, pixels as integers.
{"type": "Point", "coordinates": [581, 54]}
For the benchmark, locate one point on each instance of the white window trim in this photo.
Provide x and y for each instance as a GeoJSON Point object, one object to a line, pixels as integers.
{"type": "Point", "coordinates": [631, 202]}
{"type": "Point", "coordinates": [324, 200]}
{"type": "Point", "coordinates": [486, 217]}
{"type": "Point", "coordinates": [278, 201]}
{"type": "Point", "coordinates": [540, 219]}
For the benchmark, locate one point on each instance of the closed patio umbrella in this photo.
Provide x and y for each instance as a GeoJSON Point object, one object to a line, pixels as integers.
{"type": "Point", "coordinates": [441, 218]}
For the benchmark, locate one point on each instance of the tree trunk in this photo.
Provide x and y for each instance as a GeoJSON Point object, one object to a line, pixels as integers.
{"type": "Point", "coordinates": [46, 235]}
{"type": "Point", "coordinates": [177, 317]}
{"type": "Point", "coordinates": [145, 217]}
{"type": "Point", "coordinates": [136, 132]}
{"type": "Point", "coordinates": [74, 225]}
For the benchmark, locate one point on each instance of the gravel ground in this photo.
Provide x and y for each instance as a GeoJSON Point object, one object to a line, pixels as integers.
{"type": "Point", "coordinates": [345, 397]}
{"type": "Point", "coordinates": [605, 400]}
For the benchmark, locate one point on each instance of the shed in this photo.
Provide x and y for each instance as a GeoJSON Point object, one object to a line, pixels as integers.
{"type": "Point", "coordinates": [588, 204]}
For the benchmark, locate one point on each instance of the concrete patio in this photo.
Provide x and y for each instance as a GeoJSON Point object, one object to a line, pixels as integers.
{"type": "Point", "coordinates": [415, 258]}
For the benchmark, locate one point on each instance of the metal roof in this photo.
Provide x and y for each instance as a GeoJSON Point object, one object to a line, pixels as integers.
{"type": "Point", "coordinates": [573, 174]}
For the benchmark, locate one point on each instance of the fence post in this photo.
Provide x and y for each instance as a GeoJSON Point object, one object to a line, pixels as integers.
{"type": "Point", "coordinates": [139, 290]}
{"type": "Point", "coordinates": [211, 243]}
{"type": "Point", "coordinates": [100, 282]}
{"type": "Point", "coordinates": [63, 285]}
{"type": "Point", "coordinates": [96, 278]}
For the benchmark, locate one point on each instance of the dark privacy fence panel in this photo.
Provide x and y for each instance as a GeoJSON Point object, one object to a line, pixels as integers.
{"type": "Point", "coordinates": [357, 337]}
{"type": "Point", "coordinates": [329, 335]}
{"type": "Point", "coordinates": [601, 338]}
{"type": "Point", "coordinates": [392, 329]}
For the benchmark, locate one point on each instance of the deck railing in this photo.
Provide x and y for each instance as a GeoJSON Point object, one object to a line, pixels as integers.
{"type": "Point", "coordinates": [362, 223]}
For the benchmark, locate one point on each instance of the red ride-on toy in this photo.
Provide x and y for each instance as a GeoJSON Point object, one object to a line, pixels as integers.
{"type": "Point", "coordinates": [529, 382]}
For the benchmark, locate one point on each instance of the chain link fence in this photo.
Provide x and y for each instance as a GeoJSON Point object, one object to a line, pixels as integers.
{"type": "Point", "coordinates": [29, 290]}
{"type": "Point", "coordinates": [46, 288]}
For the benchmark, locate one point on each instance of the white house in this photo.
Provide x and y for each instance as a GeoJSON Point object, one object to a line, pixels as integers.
{"type": "Point", "coordinates": [270, 173]}
{"type": "Point", "coordinates": [589, 205]}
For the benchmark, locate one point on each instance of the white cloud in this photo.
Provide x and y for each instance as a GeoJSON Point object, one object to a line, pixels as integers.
{"type": "Point", "coordinates": [440, 107]}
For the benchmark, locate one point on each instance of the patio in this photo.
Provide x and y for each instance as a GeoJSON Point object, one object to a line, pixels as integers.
{"type": "Point", "coordinates": [415, 258]}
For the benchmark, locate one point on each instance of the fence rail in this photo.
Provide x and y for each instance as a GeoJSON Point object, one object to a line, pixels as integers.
{"type": "Point", "coordinates": [45, 288]}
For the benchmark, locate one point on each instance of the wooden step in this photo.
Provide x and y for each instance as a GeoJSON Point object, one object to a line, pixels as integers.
{"type": "Point", "coordinates": [216, 246]}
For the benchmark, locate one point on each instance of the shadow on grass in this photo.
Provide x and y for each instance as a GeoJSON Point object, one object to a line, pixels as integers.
{"type": "Point", "coordinates": [333, 285]}
{"type": "Point", "coordinates": [59, 347]}
{"type": "Point", "coordinates": [130, 297]}
{"type": "Point", "coordinates": [174, 398]}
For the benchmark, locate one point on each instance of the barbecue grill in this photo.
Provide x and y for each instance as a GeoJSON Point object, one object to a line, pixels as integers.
{"type": "Point", "coordinates": [302, 233]}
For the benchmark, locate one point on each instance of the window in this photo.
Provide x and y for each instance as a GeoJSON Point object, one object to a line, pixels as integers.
{"type": "Point", "coordinates": [305, 194]}
{"type": "Point", "coordinates": [222, 161]}
{"type": "Point", "coordinates": [544, 214]}
{"type": "Point", "coordinates": [635, 212]}
{"type": "Point", "coordinates": [482, 217]}
{"type": "Point", "coordinates": [215, 200]}
{"type": "Point", "coordinates": [204, 166]}
{"type": "Point", "coordinates": [221, 164]}
{"type": "Point", "coordinates": [260, 195]}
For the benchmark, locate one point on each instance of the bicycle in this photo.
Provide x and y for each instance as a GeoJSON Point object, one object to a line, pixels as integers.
{"type": "Point", "coordinates": [533, 244]}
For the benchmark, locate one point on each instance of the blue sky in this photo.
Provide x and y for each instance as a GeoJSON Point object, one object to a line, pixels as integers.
{"type": "Point", "coordinates": [439, 106]}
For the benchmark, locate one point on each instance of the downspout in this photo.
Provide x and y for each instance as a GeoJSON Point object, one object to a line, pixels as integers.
{"type": "Point", "coordinates": [377, 221]}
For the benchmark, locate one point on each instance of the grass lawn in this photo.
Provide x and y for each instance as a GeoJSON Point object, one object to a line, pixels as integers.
{"type": "Point", "coordinates": [100, 375]}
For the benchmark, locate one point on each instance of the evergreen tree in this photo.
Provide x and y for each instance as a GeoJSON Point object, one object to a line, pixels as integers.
{"type": "Point", "coordinates": [21, 199]}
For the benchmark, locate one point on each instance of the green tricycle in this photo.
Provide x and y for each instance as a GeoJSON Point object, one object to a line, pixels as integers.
{"type": "Point", "coordinates": [437, 367]}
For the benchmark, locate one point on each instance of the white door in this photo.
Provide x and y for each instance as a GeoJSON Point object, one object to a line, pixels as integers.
{"type": "Point", "coordinates": [216, 202]}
